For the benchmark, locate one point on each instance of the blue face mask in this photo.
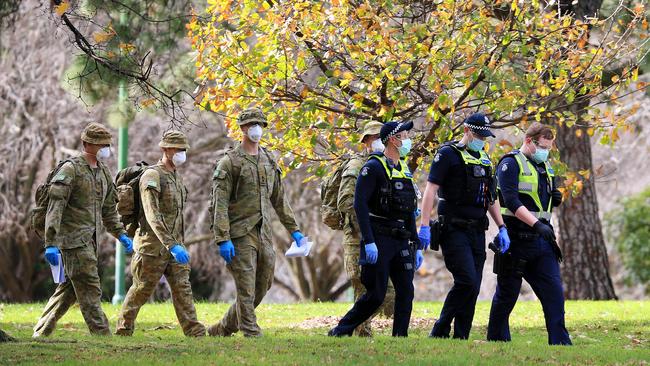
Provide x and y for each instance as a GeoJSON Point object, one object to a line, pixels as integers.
{"type": "Point", "coordinates": [540, 155]}
{"type": "Point", "coordinates": [405, 148]}
{"type": "Point", "coordinates": [476, 145]}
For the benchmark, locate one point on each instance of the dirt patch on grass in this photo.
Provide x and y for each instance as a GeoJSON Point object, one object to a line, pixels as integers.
{"type": "Point", "coordinates": [378, 323]}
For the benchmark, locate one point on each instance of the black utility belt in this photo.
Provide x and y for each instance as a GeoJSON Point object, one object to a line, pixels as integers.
{"type": "Point", "coordinates": [523, 235]}
{"type": "Point", "coordinates": [475, 224]}
{"type": "Point", "coordinates": [394, 232]}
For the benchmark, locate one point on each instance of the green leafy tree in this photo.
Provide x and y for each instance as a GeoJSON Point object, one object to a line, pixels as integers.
{"type": "Point", "coordinates": [320, 69]}
{"type": "Point", "coordinates": [629, 228]}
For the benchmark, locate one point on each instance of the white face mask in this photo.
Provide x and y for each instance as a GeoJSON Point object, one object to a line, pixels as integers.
{"type": "Point", "coordinates": [179, 158]}
{"type": "Point", "coordinates": [255, 133]}
{"type": "Point", "coordinates": [377, 146]}
{"type": "Point", "coordinates": [103, 153]}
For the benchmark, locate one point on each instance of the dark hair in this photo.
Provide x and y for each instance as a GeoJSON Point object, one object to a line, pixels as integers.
{"type": "Point", "coordinates": [538, 130]}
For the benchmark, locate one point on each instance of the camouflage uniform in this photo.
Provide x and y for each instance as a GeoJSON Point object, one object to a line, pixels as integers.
{"type": "Point", "coordinates": [161, 226]}
{"type": "Point", "coordinates": [245, 189]}
{"type": "Point", "coordinates": [72, 224]}
{"type": "Point", "coordinates": [352, 239]}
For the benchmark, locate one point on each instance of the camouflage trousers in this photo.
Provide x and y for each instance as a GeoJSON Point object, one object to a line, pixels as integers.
{"type": "Point", "coordinates": [82, 285]}
{"type": "Point", "coordinates": [252, 269]}
{"type": "Point", "coordinates": [353, 269]}
{"type": "Point", "coordinates": [147, 271]}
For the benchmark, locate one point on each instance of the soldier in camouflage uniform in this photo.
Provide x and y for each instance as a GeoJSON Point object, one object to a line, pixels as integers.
{"type": "Point", "coordinates": [246, 187]}
{"type": "Point", "coordinates": [82, 199]}
{"type": "Point", "coordinates": [158, 241]}
{"type": "Point", "coordinates": [351, 235]}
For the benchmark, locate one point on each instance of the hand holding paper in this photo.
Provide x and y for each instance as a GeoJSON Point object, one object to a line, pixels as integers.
{"type": "Point", "coordinates": [301, 250]}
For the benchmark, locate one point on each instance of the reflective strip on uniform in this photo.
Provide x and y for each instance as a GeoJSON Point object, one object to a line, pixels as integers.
{"type": "Point", "coordinates": [523, 186]}
{"type": "Point", "coordinates": [539, 215]}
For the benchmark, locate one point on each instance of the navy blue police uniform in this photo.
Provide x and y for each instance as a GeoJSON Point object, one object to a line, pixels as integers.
{"type": "Point", "coordinates": [466, 191]}
{"type": "Point", "coordinates": [384, 201]}
{"type": "Point", "coordinates": [532, 257]}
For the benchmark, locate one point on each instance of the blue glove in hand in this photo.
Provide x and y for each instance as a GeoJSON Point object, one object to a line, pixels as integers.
{"type": "Point", "coordinates": [180, 254]}
{"type": "Point", "coordinates": [51, 255]}
{"type": "Point", "coordinates": [127, 243]}
{"type": "Point", "coordinates": [297, 236]}
{"type": "Point", "coordinates": [504, 239]}
{"type": "Point", "coordinates": [227, 250]}
{"type": "Point", "coordinates": [419, 259]}
{"type": "Point", "coordinates": [425, 236]}
{"type": "Point", "coordinates": [418, 212]}
{"type": "Point", "coordinates": [371, 253]}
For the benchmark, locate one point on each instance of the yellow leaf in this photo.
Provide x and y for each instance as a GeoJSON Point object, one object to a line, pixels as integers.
{"type": "Point", "coordinates": [615, 79]}
{"type": "Point", "coordinates": [585, 173]}
{"type": "Point", "coordinates": [101, 37]}
{"type": "Point", "coordinates": [147, 102]}
{"type": "Point", "coordinates": [578, 133]}
{"type": "Point", "coordinates": [61, 8]}
{"type": "Point", "coordinates": [126, 47]}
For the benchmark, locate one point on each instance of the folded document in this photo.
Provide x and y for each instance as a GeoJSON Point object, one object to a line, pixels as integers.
{"type": "Point", "coordinates": [299, 251]}
{"type": "Point", "coordinates": [58, 275]}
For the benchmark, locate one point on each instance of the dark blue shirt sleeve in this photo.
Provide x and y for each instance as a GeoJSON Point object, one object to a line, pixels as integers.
{"type": "Point", "coordinates": [440, 165]}
{"type": "Point", "coordinates": [370, 175]}
{"type": "Point", "coordinates": [508, 177]}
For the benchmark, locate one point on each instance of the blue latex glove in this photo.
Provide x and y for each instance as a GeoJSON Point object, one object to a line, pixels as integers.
{"type": "Point", "coordinates": [180, 254]}
{"type": "Point", "coordinates": [371, 253]}
{"type": "Point", "coordinates": [127, 243]}
{"type": "Point", "coordinates": [227, 250]}
{"type": "Point", "coordinates": [504, 239]}
{"type": "Point", "coordinates": [51, 255]}
{"type": "Point", "coordinates": [425, 236]}
{"type": "Point", "coordinates": [297, 236]}
{"type": "Point", "coordinates": [419, 259]}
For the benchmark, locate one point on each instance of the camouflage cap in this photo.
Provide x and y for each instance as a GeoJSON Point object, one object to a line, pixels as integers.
{"type": "Point", "coordinates": [251, 115]}
{"type": "Point", "coordinates": [174, 139]}
{"type": "Point", "coordinates": [371, 128]}
{"type": "Point", "coordinates": [94, 133]}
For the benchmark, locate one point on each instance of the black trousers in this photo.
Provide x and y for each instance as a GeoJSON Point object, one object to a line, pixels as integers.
{"type": "Point", "coordinates": [395, 261]}
{"type": "Point", "coordinates": [464, 252]}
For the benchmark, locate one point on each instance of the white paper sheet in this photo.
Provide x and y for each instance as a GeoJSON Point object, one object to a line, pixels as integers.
{"type": "Point", "coordinates": [58, 274]}
{"type": "Point", "coordinates": [299, 251]}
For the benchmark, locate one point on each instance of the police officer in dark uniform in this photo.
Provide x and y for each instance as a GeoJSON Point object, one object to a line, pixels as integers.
{"type": "Point", "coordinates": [528, 194]}
{"type": "Point", "coordinates": [385, 201]}
{"type": "Point", "coordinates": [461, 175]}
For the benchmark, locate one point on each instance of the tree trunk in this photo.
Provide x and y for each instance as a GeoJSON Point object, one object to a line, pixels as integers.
{"type": "Point", "coordinates": [586, 266]}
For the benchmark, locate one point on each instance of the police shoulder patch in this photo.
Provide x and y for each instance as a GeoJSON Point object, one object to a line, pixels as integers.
{"type": "Point", "coordinates": [504, 167]}
{"type": "Point", "coordinates": [436, 158]}
{"type": "Point", "coordinates": [364, 171]}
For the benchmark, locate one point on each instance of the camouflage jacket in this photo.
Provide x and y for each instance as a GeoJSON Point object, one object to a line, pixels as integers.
{"type": "Point", "coordinates": [163, 196]}
{"type": "Point", "coordinates": [82, 201]}
{"type": "Point", "coordinates": [244, 189]}
{"type": "Point", "coordinates": [345, 200]}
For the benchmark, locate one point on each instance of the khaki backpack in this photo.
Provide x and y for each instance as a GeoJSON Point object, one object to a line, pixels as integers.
{"type": "Point", "coordinates": [128, 195]}
{"type": "Point", "coordinates": [42, 200]}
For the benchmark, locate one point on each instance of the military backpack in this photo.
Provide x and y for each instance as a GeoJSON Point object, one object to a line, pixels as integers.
{"type": "Point", "coordinates": [329, 195]}
{"type": "Point", "coordinates": [42, 200]}
{"type": "Point", "coordinates": [128, 195]}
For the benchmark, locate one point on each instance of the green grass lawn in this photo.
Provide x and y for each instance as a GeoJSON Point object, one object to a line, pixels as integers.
{"type": "Point", "coordinates": [602, 332]}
